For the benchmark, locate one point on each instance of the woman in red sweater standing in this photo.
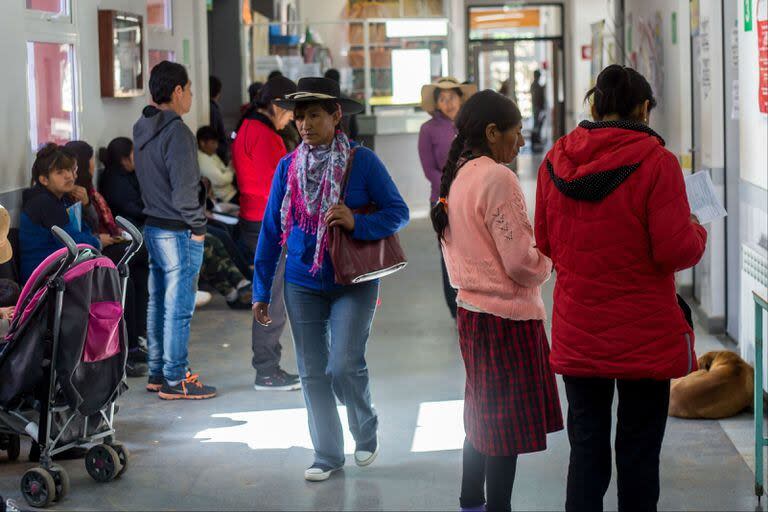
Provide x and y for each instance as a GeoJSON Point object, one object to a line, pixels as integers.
{"type": "Point", "coordinates": [612, 213]}
{"type": "Point", "coordinates": [511, 400]}
{"type": "Point", "coordinates": [256, 151]}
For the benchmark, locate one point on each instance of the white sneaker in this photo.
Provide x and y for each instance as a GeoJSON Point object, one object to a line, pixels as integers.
{"type": "Point", "coordinates": [202, 298]}
{"type": "Point", "coordinates": [366, 458]}
{"type": "Point", "coordinates": [320, 472]}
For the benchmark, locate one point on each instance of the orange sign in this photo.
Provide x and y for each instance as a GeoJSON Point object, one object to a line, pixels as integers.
{"type": "Point", "coordinates": [504, 18]}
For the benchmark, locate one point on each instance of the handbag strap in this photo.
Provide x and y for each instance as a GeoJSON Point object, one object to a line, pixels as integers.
{"type": "Point", "coordinates": [347, 172]}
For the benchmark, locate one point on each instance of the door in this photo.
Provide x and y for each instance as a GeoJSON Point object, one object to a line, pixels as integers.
{"type": "Point", "coordinates": [493, 66]}
{"type": "Point", "coordinates": [510, 68]}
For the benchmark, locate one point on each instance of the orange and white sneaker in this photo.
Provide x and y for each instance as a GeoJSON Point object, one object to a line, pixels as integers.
{"type": "Point", "coordinates": [189, 388]}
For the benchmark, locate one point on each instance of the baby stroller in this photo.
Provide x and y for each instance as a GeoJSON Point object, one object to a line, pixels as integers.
{"type": "Point", "coordinates": [62, 365]}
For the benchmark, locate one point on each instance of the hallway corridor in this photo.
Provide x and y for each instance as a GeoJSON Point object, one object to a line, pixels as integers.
{"type": "Point", "coordinates": [248, 450]}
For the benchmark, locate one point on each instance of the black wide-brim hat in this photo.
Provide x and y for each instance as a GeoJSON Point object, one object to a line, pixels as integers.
{"type": "Point", "coordinates": [314, 89]}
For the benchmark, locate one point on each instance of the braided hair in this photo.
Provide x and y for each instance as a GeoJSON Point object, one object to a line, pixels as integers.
{"type": "Point", "coordinates": [482, 109]}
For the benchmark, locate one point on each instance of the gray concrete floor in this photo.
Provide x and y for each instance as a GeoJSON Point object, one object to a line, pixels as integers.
{"type": "Point", "coordinates": [247, 450]}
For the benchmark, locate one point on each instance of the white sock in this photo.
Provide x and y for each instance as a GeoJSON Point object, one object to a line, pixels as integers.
{"type": "Point", "coordinates": [243, 284]}
{"type": "Point", "coordinates": [232, 295]}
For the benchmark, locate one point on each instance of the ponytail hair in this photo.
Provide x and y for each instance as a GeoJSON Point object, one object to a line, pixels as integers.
{"type": "Point", "coordinates": [118, 149]}
{"type": "Point", "coordinates": [619, 90]}
{"type": "Point", "coordinates": [480, 110]}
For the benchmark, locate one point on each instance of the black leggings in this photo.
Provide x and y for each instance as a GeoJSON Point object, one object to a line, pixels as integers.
{"type": "Point", "coordinates": [484, 474]}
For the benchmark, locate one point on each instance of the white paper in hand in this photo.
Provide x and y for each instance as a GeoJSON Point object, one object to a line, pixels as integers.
{"type": "Point", "coordinates": [702, 197]}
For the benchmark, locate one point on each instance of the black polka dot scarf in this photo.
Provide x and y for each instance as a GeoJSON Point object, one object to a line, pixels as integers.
{"type": "Point", "coordinates": [623, 124]}
{"type": "Point", "coordinates": [594, 187]}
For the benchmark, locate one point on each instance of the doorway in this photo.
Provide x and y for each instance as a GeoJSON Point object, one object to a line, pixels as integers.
{"type": "Point", "coordinates": [506, 47]}
{"type": "Point", "coordinates": [510, 68]}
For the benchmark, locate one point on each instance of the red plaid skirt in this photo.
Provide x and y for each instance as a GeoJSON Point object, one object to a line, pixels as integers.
{"type": "Point", "coordinates": [511, 401]}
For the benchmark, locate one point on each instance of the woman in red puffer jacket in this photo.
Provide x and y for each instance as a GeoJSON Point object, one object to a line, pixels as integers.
{"type": "Point", "coordinates": [613, 216]}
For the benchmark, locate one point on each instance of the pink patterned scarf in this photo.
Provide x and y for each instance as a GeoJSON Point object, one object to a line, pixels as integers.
{"type": "Point", "coordinates": [313, 186]}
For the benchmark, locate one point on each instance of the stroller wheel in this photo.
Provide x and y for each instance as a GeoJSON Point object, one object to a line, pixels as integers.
{"type": "Point", "coordinates": [102, 463]}
{"type": "Point", "coordinates": [38, 487]}
{"type": "Point", "coordinates": [14, 447]}
{"type": "Point", "coordinates": [122, 454]}
{"type": "Point", "coordinates": [61, 480]}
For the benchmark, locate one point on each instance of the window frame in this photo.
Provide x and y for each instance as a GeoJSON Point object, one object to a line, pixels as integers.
{"type": "Point", "coordinates": [41, 27]}
{"type": "Point", "coordinates": [159, 29]}
{"type": "Point", "coordinates": [32, 101]}
{"type": "Point", "coordinates": [65, 18]}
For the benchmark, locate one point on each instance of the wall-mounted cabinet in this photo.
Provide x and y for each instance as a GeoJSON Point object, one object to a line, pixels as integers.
{"type": "Point", "coordinates": [121, 50]}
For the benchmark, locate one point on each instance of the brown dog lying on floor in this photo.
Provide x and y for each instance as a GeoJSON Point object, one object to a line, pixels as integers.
{"type": "Point", "coordinates": [722, 387]}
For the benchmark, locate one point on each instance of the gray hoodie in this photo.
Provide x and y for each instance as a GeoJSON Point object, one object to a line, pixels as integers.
{"type": "Point", "coordinates": [165, 150]}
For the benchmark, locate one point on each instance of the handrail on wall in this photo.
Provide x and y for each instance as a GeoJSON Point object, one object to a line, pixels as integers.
{"type": "Point", "coordinates": [760, 441]}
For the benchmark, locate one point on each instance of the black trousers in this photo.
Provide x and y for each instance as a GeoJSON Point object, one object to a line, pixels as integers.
{"type": "Point", "coordinates": [235, 254]}
{"type": "Point", "coordinates": [137, 291]}
{"type": "Point", "coordinates": [265, 340]}
{"type": "Point", "coordinates": [642, 419]}
{"type": "Point", "coordinates": [491, 476]}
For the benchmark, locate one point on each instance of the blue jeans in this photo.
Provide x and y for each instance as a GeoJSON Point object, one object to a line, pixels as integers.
{"type": "Point", "coordinates": [174, 262]}
{"type": "Point", "coordinates": [330, 332]}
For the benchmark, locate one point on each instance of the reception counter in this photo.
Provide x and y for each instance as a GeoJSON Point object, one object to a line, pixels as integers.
{"type": "Point", "coordinates": [393, 133]}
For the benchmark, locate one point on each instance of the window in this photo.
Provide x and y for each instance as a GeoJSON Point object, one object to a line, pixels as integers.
{"type": "Point", "coordinates": [411, 69]}
{"type": "Point", "coordinates": [158, 56]}
{"type": "Point", "coordinates": [50, 81]}
{"type": "Point", "coordinates": [50, 6]}
{"type": "Point", "coordinates": [159, 14]}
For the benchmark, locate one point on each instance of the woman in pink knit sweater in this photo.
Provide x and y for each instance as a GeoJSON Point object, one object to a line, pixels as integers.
{"type": "Point", "coordinates": [511, 399]}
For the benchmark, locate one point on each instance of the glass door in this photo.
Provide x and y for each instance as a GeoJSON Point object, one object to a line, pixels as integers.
{"type": "Point", "coordinates": [529, 72]}
{"type": "Point", "coordinates": [494, 67]}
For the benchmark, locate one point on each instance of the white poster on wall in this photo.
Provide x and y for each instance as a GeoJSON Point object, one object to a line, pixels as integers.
{"type": "Point", "coordinates": [711, 83]}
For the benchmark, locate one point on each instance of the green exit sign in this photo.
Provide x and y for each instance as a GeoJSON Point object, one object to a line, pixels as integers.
{"type": "Point", "coordinates": [748, 15]}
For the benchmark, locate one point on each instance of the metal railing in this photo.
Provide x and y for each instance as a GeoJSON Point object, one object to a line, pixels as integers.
{"type": "Point", "coordinates": [760, 441]}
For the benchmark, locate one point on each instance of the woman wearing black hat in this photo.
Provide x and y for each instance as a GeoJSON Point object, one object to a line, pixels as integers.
{"type": "Point", "coordinates": [330, 323]}
{"type": "Point", "coordinates": [256, 151]}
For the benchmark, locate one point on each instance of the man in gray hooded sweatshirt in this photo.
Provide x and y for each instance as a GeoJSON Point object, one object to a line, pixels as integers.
{"type": "Point", "coordinates": [165, 151]}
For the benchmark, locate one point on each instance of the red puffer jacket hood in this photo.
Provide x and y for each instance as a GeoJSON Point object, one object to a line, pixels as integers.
{"type": "Point", "coordinates": [613, 216]}
{"type": "Point", "coordinates": [591, 163]}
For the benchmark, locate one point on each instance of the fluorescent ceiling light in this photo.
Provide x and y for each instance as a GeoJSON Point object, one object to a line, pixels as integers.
{"type": "Point", "coordinates": [417, 28]}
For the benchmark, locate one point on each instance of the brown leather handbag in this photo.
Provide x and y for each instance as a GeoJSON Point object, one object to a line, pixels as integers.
{"type": "Point", "coordinates": [358, 261]}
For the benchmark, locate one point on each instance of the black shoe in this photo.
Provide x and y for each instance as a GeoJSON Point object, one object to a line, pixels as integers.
{"type": "Point", "coordinates": [286, 375]}
{"type": "Point", "coordinates": [276, 380]}
{"type": "Point", "coordinates": [237, 305]}
{"type": "Point", "coordinates": [155, 383]}
{"type": "Point", "coordinates": [189, 388]}
{"type": "Point", "coordinates": [135, 368]}
{"type": "Point", "coordinates": [243, 299]}
{"type": "Point", "coordinates": [138, 355]}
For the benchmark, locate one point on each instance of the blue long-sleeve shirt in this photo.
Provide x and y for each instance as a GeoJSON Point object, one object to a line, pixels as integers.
{"type": "Point", "coordinates": [40, 211]}
{"type": "Point", "coordinates": [369, 183]}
